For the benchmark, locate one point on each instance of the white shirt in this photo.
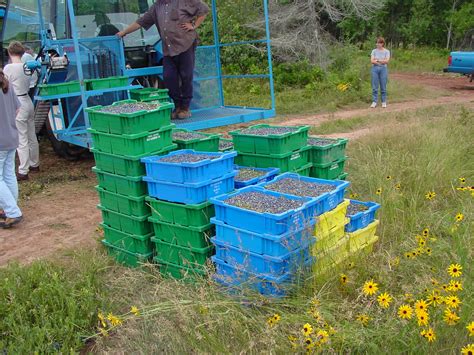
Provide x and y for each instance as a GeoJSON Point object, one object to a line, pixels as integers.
{"type": "Point", "coordinates": [17, 77]}
{"type": "Point", "coordinates": [34, 78]}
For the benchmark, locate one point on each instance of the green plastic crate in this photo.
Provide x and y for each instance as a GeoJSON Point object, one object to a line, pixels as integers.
{"type": "Point", "coordinates": [177, 213]}
{"type": "Point", "coordinates": [271, 144]}
{"type": "Point", "coordinates": [59, 89]}
{"type": "Point", "coordinates": [329, 171]}
{"type": "Point", "coordinates": [285, 162]}
{"type": "Point", "coordinates": [140, 244]}
{"type": "Point", "coordinates": [125, 165]}
{"type": "Point", "coordinates": [130, 123]}
{"type": "Point", "coordinates": [210, 143]}
{"type": "Point", "coordinates": [330, 152]}
{"type": "Point", "coordinates": [106, 83]}
{"type": "Point", "coordinates": [194, 237]}
{"type": "Point", "coordinates": [304, 170]}
{"type": "Point", "coordinates": [127, 258]}
{"type": "Point", "coordinates": [150, 94]}
{"type": "Point", "coordinates": [123, 185]}
{"type": "Point", "coordinates": [343, 176]}
{"type": "Point", "coordinates": [177, 271]}
{"type": "Point", "coordinates": [194, 258]}
{"type": "Point", "coordinates": [131, 206]}
{"type": "Point", "coordinates": [126, 224]}
{"type": "Point", "coordinates": [132, 144]}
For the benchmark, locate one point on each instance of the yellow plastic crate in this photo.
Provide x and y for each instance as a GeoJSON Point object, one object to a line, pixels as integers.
{"type": "Point", "coordinates": [363, 236]}
{"type": "Point", "coordinates": [326, 243]}
{"type": "Point", "coordinates": [333, 256]}
{"type": "Point", "coordinates": [322, 267]}
{"type": "Point", "coordinates": [331, 220]}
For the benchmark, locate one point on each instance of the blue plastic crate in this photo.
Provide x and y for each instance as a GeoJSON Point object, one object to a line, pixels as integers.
{"type": "Point", "coordinates": [364, 218]}
{"type": "Point", "coordinates": [265, 284]}
{"type": "Point", "coordinates": [291, 262]}
{"type": "Point", "coordinates": [325, 202]}
{"type": "Point", "coordinates": [203, 170]}
{"type": "Point", "coordinates": [271, 173]}
{"type": "Point", "coordinates": [190, 193]}
{"type": "Point", "coordinates": [261, 243]}
{"type": "Point", "coordinates": [276, 224]}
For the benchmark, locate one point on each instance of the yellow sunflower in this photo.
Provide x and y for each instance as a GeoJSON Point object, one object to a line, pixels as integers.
{"type": "Point", "coordinates": [384, 300]}
{"type": "Point", "coordinates": [405, 311]}
{"type": "Point", "coordinates": [450, 317]}
{"type": "Point", "coordinates": [454, 270]}
{"type": "Point", "coordinates": [398, 186]}
{"type": "Point", "coordinates": [421, 306]}
{"type": "Point", "coordinates": [323, 336]}
{"type": "Point", "coordinates": [459, 217]}
{"type": "Point", "coordinates": [363, 319]}
{"type": "Point", "coordinates": [388, 177]}
{"type": "Point", "coordinates": [435, 299]}
{"type": "Point", "coordinates": [378, 191]}
{"type": "Point", "coordinates": [455, 286]}
{"type": "Point", "coordinates": [468, 350]}
{"type": "Point", "coordinates": [370, 288]}
{"type": "Point", "coordinates": [430, 195]}
{"type": "Point", "coordinates": [343, 279]}
{"type": "Point", "coordinates": [429, 334]}
{"type": "Point", "coordinates": [426, 232]}
{"type": "Point", "coordinates": [470, 328]}
{"type": "Point", "coordinates": [423, 318]}
{"type": "Point", "coordinates": [462, 180]}
{"type": "Point", "coordinates": [307, 329]}
{"type": "Point", "coordinates": [452, 301]}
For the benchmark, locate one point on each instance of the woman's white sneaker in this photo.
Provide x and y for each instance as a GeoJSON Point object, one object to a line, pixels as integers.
{"type": "Point", "coordinates": [374, 105]}
{"type": "Point", "coordinates": [384, 105]}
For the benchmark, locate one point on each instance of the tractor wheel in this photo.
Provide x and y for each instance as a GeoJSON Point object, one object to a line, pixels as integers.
{"type": "Point", "coordinates": [65, 150]}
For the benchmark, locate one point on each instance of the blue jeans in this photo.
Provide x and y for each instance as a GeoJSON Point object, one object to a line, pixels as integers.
{"type": "Point", "coordinates": [379, 79]}
{"type": "Point", "coordinates": [8, 184]}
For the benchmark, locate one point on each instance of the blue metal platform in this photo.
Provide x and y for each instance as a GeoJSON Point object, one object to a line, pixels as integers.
{"type": "Point", "coordinates": [222, 116]}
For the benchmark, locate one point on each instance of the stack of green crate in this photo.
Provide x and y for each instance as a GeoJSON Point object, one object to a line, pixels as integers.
{"type": "Point", "coordinates": [266, 146]}
{"type": "Point", "coordinates": [122, 134]}
{"type": "Point", "coordinates": [182, 236]}
{"type": "Point", "coordinates": [328, 157]}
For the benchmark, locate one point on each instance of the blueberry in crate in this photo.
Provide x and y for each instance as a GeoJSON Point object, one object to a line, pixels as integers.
{"type": "Point", "coordinates": [190, 193]}
{"type": "Point", "coordinates": [266, 139]}
{"type": "Point", "coordinates": [189, 166]}
{"type": "Point", "coordinates": [265, 284]}
{"type": "Point", "coordinates": [327, 150]}
{"type": "Point", "coordinates": [328, 193]}
{"type": "Point", "coordinates": [290, 262]}
{"type": "Point", "coordinates": [263, 243]}
{"type": "Point", "coordinates": [130, 117]}
{"type": "Point", "coordinates": [262, 211]}
{"type": "Point", "coordinates": [225, 145]}
{"type": "Point", "coordinates": [361, 214]}
{"type": "Point", "coordinates": [203, 142]}
{"type": "Point", "coordinates": [247, 176]}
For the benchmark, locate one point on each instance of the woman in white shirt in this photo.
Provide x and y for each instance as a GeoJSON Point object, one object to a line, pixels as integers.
{"type": "Point", "coordinates": [28, 149]}
{"type": "Point", "coordinates": [379, 59]}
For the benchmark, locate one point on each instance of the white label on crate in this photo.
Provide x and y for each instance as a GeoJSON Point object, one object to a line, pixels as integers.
{"type": "Point", "coordinates": [153, 137]}
{"type": "Point", "coordinates": [295, 156]}
{"type": "Point", "coordinates": [216, 187]}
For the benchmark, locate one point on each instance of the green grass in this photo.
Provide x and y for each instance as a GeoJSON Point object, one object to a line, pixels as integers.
{"type": "Point", "coordinates": [53, 305]}
{"type": "Point", "coordinates": [419, 60]}
{"type": "Point", "coordinates": [428, 155]}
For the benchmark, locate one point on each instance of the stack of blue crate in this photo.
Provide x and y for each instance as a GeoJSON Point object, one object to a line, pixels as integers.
{"type": "Point", "coordinates": [263, 251]}
{"type": "Point", "coordinates": [180, 185]}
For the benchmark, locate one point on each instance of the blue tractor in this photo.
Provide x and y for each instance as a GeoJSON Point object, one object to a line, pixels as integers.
{"type": "Point", "coordinates": [74, 40]}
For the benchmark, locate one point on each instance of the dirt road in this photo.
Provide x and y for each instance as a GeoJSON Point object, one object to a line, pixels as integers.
{"type": "Point", "coordinates": [64, 216]}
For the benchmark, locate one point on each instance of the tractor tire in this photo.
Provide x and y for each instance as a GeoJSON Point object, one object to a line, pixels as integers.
{"type": "Point", "coordinates": [65, 150]}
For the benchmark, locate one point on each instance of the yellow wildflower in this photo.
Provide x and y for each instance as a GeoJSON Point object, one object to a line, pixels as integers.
{"type": "Point", "coordinates": [363, 319]}
{"type": "Point", "coordinates": [102, 319]}
{"type": "Point", "coordinates": [134, 310]}
{"type": "Point", "coordinates": [323, 336]}
{"type": "Point", "coordinates": [435, 299]}
{"type": "Point", "coordinates": [454, 270]}
{"type": "Point", "coordinates": [370, 288]}
{"type": "Point", "coordinates": [343, 279]}
{"type": "Point", "coordinates": [384, 300]}
{"type": "Point", "coordinates": [452, 301]}
{"type": "Point", "coordinates": [378, 191]}
{"type": "Point", "coordinates": [462, 180]}
{"type": "Point", "coordinates": [423, 318]}
{"type": "Point", "coordinates": [429, 334]}
{"type": "Point", "coordinates": [450, 317]}
{"type": "Point", "coordinates": [455, 286]}
{"type": "Point", "coordinates": [307, 329]}
{"type": "Point", "coordinates": [421, 306]}
{"type": "Point", "coordinates": [468, 350]}
{"type": "Point", "coordinates": [470, 328]}
{"type": "Point", "coordinates": [405, 311]}
{"type": "Point", "coordinates": [388, 177]}
{"type": "Point", "coordinates": [459, 217]}
{"type": "Point", "coordinates": [430, 195]}
{"type": "Point", "coordinates": [426, 232]}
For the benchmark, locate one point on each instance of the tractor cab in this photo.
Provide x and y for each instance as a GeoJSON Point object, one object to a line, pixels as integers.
{"type": "Point", "coordinates": [74, 42]}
